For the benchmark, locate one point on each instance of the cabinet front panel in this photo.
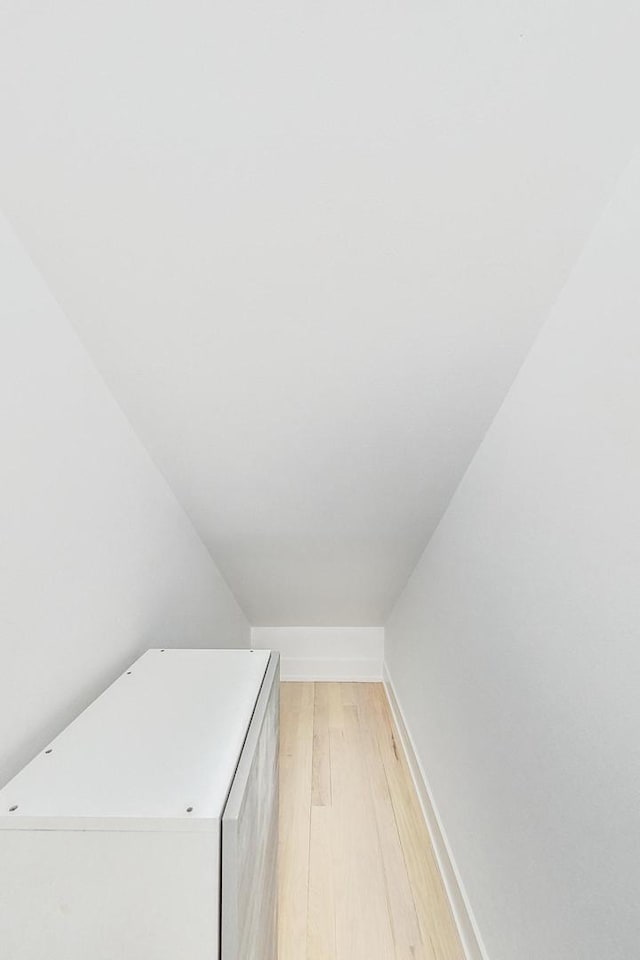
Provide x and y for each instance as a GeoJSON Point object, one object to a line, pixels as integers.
{"type": "Point", "coordinates": [250, 841]}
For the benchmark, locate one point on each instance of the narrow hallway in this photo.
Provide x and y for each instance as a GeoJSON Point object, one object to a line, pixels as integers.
{"type": "Point", "coordinates": [358, 876]}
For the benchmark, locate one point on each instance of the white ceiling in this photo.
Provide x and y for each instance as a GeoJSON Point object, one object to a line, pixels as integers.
{"type": "Point", "coordinates": [308, 245]}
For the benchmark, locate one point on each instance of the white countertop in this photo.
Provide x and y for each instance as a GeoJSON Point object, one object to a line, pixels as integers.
{"type": "Point", "coordinates": [163, 738]}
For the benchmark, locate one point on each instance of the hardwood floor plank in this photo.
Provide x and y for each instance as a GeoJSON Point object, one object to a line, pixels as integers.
{"type": "Point", "coordinates": [435, 919]}
{"type": "Point", "coordinates": [407, 937]}
{"type": "Point", "coordinates": [321, 772]}
{"type": "Point", "coordinates": [363, 927]}
{"type": "Point", "coordinates": [321, 929]}
{"type": "Point", "coordinates": [295, 810]}
{"type": "Point", "coordinates": [358, 879]}
{"type": "Point", "coordinates": [336, 716]}
{"type": "Point", "coordinates": [348, 694]}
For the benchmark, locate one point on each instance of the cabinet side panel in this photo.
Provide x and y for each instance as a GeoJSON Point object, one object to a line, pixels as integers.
{"type": "Point", "coordinates": [71, 895]}
{"type": "Point", "coordinates": [250, 836]}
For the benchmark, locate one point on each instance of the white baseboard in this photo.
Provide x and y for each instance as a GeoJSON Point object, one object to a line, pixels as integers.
{"type": "Point", "coordinates": [462, 913]}
{"type": "Point", "coordinates": [331, 669]}
{"type": "Point", "coordinates": [325, 653]}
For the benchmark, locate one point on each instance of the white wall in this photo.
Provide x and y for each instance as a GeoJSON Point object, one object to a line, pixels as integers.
{"type": "Point", "coordinates": [97, 559]}
{"type": "Point", "coordinates": [324, 653]}
{"type": "Point", "coordinates": [515, 648]}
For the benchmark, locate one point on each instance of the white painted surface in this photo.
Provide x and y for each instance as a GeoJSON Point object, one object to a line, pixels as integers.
{"type": "Point", "coordinates": [104, 856]}
{"type": "Point", "coordinates": [165, 736]}
{"type": "Point", "coordinates": [309, 245]}
{"type": "Point", "coordinates": [324, 653]}
{"type": "Point", "coordinates": [97, 559]}
{"type": "Point", "coordinates": [514, 648]}
{"type": "Point", "coordinates": [250, 835]}
{"type": "Point", "coordinates": [128, 895]}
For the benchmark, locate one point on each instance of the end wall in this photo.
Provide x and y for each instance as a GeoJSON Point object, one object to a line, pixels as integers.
{"type": "Point", "coordinates": [515, 648]}
{"type": "Point", "coordinates": [324, 653]}
{"type": "Point", "coordinates": [97, 559]}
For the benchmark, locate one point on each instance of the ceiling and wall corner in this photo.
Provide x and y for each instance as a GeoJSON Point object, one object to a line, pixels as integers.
{"type": "Point", "coordinates": [97, 558]}
{"type": "Point", "coordinates": [308, 246]}
{"type": "Point", "coordinates": [514, 649]}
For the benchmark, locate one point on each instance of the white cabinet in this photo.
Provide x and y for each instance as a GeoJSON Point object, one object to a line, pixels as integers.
{"type": "Point", "coordinates": [148, 829]}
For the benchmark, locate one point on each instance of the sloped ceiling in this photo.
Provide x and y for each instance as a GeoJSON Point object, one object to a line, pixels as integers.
{"type": "Point", "coordinates": [308, 245]}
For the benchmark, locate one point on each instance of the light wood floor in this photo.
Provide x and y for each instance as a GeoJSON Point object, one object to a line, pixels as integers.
{"type": "Point", "coordinates": [358, 877]}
